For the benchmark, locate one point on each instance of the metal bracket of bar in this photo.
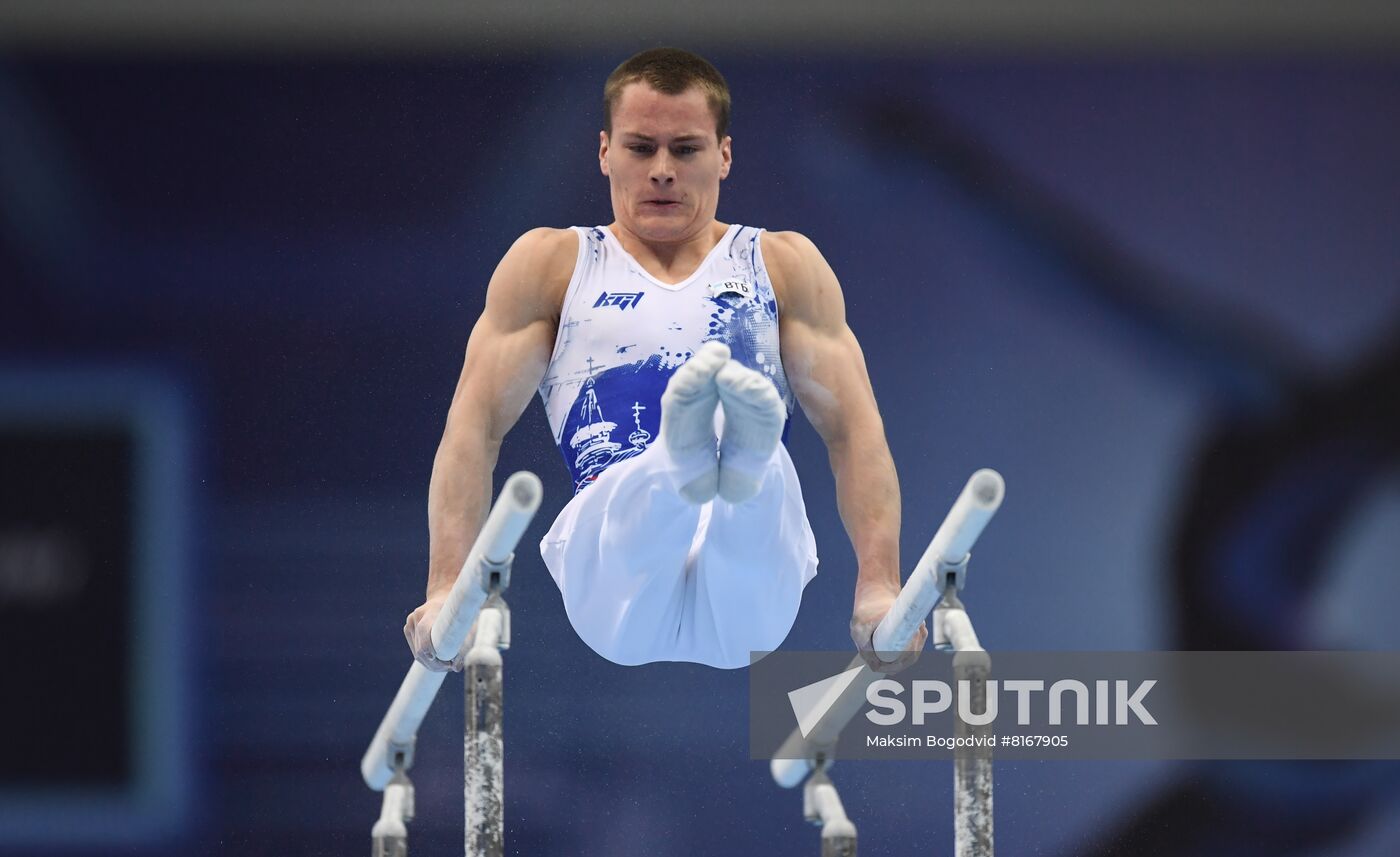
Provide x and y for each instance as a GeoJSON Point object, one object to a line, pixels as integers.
{"type": "Point", "coordinates": [952, 575]}
{"type": "Point", "coordinates": [497, 574]}
{"type": "Point", "coordinates": [401, 755]}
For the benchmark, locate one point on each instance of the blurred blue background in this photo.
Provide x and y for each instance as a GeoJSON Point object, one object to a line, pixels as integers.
{"type": "Point", "coordinates": [1156, 285]}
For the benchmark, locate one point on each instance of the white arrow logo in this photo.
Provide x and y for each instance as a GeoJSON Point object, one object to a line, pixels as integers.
{"type": "Point", "coordinates": [811, 702]}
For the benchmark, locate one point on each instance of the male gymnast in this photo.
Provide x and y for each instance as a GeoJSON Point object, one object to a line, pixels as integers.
{"type": "Point", "coordinates": [669, 349]}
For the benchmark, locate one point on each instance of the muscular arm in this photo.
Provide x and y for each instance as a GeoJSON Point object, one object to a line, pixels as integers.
{"type": "Point", "coordinates": [507, 355]}
{"type": "Point", "coordinates": [826, 369]}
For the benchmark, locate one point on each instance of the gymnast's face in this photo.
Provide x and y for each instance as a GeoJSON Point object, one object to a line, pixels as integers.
{"type": "Point", "coordinates": [663, 163]}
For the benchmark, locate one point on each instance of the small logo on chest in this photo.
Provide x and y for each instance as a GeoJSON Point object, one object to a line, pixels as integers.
{"type": "Point", "coordinates": [740, 289]}
{"type": "Point", "coordinates": [621, 300]}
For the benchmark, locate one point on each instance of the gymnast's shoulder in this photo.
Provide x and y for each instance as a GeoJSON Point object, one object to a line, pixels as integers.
{"type": "Point", "coordinates": [795, 266]}
{"type": "Point", "coordinates": [538, 265]}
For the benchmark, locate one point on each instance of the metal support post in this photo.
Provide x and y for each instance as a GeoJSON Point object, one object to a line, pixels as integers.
{"type": "Point", "coordinates": [821, 805]}
{"type": "Point", "coordinates": [972, 764]}
{"type": "Point", "coordinates": [484, 751]}
{"type": "Point", "coordinates": [391, 830]}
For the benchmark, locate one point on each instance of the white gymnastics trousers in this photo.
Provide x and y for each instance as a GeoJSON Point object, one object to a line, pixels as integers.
{"type": "Point", "coordinates": [648, 576]}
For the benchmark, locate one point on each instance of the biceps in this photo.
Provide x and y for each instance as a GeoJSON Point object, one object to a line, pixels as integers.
{"type": "Point", "coordinates": [827, 372]}
{"type": "Point", "coordinates": [501, 372]}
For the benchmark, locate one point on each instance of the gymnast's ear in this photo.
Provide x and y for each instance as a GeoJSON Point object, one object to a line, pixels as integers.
{"type": "Point", "coordinates": [603, 151]}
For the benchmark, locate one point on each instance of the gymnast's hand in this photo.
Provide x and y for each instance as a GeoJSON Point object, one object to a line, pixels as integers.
{"type": "Point", "coordinates": [418, 630]}
{"type": "Point", "coordinates": [873, 601]}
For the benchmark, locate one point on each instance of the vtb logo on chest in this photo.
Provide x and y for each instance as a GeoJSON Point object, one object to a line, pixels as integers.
{"type": "Point", "coordinates": [621, 300]}
{"type": "Point", "coordinates": [741, 289]}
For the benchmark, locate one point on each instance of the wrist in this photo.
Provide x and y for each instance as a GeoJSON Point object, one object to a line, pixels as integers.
{"type": "Point", "coordinates": [881, 586]}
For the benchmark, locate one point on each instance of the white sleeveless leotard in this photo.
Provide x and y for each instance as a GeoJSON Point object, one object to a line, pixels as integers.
{"type": "Point", "coordinates": [622, 333]}
{"type": "Point", "coordinates": [645, 574]}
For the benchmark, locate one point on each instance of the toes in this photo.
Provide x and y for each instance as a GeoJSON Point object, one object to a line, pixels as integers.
{"type": "Point", "coordinates": [749, 388]}
{"type": "Point", "coordinates": [703, 364]}
{"type": "Point", "coordinates": [732, 374]}
{"type": "Point", "coordinates": [691, 379]}
{"type": "Point", "coordinates": [689, 390]}
{"type": "Point", "coordinates": [714, 350]}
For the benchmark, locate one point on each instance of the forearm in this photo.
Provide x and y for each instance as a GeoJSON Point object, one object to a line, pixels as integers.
{"type": "Point", "coordinates": [867, 495]}
{"type": "Point", "coordinates": [459, 498]}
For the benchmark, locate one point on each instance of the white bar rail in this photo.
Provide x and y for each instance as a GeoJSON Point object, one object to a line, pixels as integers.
{"type": "Point", "coordinates": [510, 516]}
{"type": "Point", "coordinates": [947, 552]}
{"type": "Point", "coordinates": [949, 548]}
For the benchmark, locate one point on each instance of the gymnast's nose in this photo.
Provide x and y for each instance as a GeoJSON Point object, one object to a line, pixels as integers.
{"type": "Point", "coordinates": [663, 169]}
